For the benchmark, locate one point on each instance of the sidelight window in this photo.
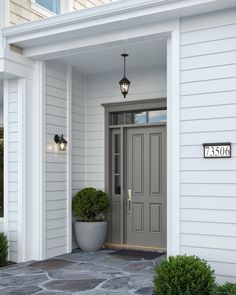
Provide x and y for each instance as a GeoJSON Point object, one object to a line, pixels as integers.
{"type": "Point", "coordinates": [116, 154]}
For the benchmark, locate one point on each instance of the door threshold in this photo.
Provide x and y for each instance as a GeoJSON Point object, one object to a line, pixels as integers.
{"type": "Point", "coordinates": [135, 247]}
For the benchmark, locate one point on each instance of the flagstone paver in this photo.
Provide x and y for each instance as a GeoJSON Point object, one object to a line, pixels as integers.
{"type": "Point", "coordinates": [26, 290]}
{"type": "Point", "coordinates": [51, 264]}
{"type": "Point", "coordinates": [80, 273]}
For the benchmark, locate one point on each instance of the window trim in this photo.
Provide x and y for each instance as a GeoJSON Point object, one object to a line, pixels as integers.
{"type": "Point", "coordinates": [42, 10]}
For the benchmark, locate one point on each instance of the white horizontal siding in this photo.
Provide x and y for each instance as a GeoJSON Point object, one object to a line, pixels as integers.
{"type": "Point", "coordinates": [21, 12]}
{"type": "Point", "coordinates": [78, 132]}
{"type": "Point", "coordinates": [56, 163]}
{"type": "Point", "coordinates": [208, 114]}
{"type": "Point", "coordinates": [78, 135]}
{"type": "Point", "coordinates": [147, 83]}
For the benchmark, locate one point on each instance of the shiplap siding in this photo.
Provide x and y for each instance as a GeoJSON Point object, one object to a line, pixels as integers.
{"type": "Point", "coordinates": [56, 162]}
{"type": "Point", "coordinates": [208, 114]}
{"type": "Point", "coordinates": [21, 12]}
{"type": "Point", "coordinates": [12, 176]}
{"type": "Point", "coordinates": [147, 83]}
{"type": "Point", "coordinates": [78, 132]}
{"type": "Point", "coordinates": [78, 136]}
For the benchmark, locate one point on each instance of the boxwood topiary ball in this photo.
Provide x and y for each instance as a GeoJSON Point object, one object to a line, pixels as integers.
{"type": "Point", "coordinates": [184, 275]}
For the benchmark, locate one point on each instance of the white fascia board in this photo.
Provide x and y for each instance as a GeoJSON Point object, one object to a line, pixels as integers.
{"type": "Point", "coordinates": [101, 41]}
{"type": "Point", "coordinates": [90, 21]}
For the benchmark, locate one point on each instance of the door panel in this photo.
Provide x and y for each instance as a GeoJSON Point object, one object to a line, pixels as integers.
{"type": "Point", "coordinates": [137, 163]}
{"type": "Point", "coordinates": [155, 218]}
{"type": "Point", "coordinates": [155, 164]}
{"type": "Point", "coordinates": [137, 215]}
{"type": "Point", "coordinates": [145, 167]}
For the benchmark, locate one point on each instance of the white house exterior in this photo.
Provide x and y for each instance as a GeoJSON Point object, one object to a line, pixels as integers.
{"type": "Point", "coordinates": [65, 81]}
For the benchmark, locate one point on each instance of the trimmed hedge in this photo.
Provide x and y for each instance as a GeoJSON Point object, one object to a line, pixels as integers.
{"type": "Point", "coordinates": [184, 275]}
{"type": "Point", "coordinates": [3, 249]}
{"type": "Point", "coordinates": [226, 289]}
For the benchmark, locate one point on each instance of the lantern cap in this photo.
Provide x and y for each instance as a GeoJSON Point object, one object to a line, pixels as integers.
{"type": "Point", "coordinates": [124, 81]}
{"type": "Point", "coordinates": [59, 139]}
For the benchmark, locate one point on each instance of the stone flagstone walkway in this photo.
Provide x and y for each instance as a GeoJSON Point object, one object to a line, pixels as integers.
{"type": "Point", "coordinates": [80, 273]}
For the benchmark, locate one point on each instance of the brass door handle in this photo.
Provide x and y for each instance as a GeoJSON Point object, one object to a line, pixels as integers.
{"type": "Point", "coordinates": [129, 205]}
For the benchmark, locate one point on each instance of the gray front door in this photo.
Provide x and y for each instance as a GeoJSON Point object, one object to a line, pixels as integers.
{"type": "Point", "coordinates": [145, 186]}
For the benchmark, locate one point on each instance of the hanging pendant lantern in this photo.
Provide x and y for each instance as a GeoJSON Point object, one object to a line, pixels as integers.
{"type": "Point", "coordinates": [124, 83]}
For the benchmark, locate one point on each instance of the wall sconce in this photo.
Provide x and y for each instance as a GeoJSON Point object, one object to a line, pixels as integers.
{"type": "Point", "coordinates": [61, 142]}
{"type": "Point", "coordinates": [124, 83]}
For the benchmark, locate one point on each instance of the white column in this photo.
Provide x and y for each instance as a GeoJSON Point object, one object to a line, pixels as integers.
{"type": "Point", "coordinates": [173, 142]}
{"type": "Point", "coordinates": [31, 166]}
{"type": "Point", "coordinates": [35, 170]}
{"type": "Point", "coordinates": [69, 158]}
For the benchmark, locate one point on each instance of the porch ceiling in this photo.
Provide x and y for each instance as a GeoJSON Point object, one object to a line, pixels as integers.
{"type": "Point", "coordinates": [142, 54]}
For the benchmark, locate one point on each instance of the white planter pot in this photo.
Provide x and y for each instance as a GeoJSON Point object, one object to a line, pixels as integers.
{"type": "Point", "coordinates": [90, 236]}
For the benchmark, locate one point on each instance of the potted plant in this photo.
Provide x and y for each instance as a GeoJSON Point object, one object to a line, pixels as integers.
{"type": "Point", "coordinates": [90, 207]}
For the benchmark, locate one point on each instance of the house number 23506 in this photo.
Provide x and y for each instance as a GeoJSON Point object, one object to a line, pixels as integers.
{"type": "Point", "coordinates": [217, 150]}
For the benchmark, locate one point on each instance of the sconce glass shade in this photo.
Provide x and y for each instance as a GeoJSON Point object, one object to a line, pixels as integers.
{"type": "Point", "coordinates": [62, 143]}
{"type": "Point", "coordinates": [124, 86]}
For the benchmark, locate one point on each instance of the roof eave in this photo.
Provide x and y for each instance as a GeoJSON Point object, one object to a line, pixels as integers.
{"type": "Point", "coordinates": [115, 16]}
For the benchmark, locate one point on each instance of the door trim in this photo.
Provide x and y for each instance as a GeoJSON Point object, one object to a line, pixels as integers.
{"type": "Point", "coordinates": [173, 138]}
{"type": "Point", "coordinates": [159, 103]}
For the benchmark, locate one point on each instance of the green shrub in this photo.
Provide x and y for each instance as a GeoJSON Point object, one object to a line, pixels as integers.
{"type": "Point", "coordinates": [3, 249]}
{"type": "Point", "coordinates": [90, 205]}
{"type": "Point", "coordinates": [226, 289]}
{"type": "Point", "coordinates": [183, 275]}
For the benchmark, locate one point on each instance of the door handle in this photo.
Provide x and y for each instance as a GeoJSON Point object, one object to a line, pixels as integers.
{"type": "Point", "coordinates": [129, 205]}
